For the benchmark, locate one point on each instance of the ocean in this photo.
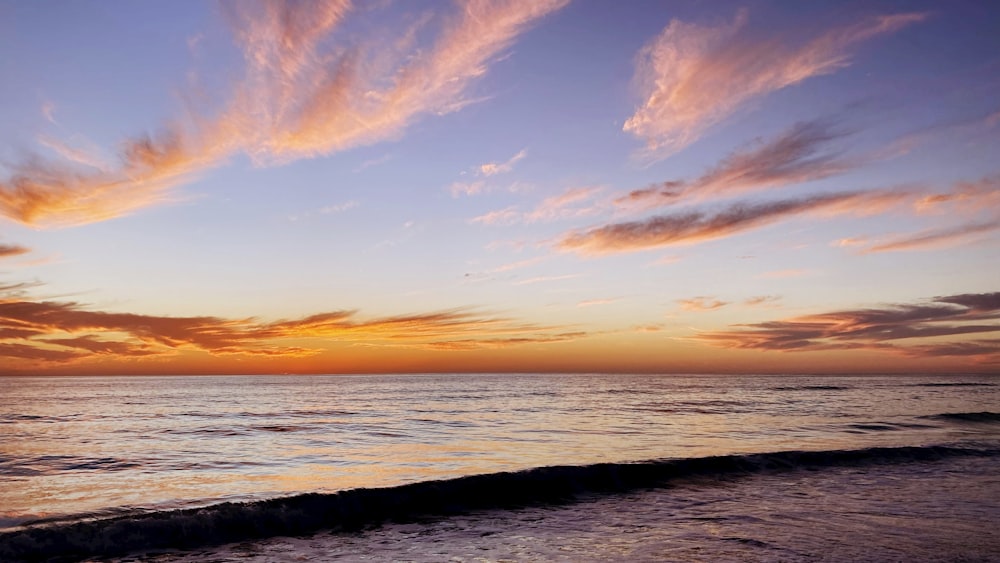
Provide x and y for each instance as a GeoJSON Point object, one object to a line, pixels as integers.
{"type": "Point", "coordinates": [492, 467]}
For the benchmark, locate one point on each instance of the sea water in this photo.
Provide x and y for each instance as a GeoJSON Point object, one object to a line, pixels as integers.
{"type": "Point", "coordinates": [500, 467]}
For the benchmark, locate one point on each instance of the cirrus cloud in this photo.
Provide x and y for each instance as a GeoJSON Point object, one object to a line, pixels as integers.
{"type": "Point", "coordinates": [60, 331]}
{"type": "Point", "coordinates": [306, 91]}
{"type": "Point", "coordinates": [693, 76]}
{"type": "Point", "coordinates": [691, 227]}
{"type": "Point", "coordinates": [941, 320]}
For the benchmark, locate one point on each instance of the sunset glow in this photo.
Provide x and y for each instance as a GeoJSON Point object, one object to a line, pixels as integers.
{"type": "Point", "coordinates": [499, 186]}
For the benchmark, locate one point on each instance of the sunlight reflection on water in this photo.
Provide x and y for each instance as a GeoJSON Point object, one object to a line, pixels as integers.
{"type": "Point", "coordinates": [77, 445]}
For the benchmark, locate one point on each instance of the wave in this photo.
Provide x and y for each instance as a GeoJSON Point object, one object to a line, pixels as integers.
{"type": "Point", "coordinates": [812, 388]}
{"type": "Point", "coordinates": [358, 509]}
{"type": "Point", "coordinates": [954, 384]}
{"type": "Point", "coordinates": [984, 416]}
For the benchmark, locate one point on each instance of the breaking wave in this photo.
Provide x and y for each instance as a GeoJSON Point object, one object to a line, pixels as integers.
{"type": "Point", "coordinates": [358, 509]}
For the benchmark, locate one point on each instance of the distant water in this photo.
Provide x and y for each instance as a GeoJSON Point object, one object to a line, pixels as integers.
{"type": "Point", "coordinates": [521, 467]}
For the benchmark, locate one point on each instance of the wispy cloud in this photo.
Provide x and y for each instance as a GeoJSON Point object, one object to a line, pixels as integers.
{"type": "Point", "coordinates": [761, 300]}
{"type": "Point", "coordinates": [699, 226]}
{"type": "Point", "coordinates": [973, 208]}
{"type": "Point", "coordinates": [506, 216]}
{"type": "Point", "coordinates": [692, 76]}
{"type": "Point", "coordinates": [965, 198]}
{"type": "Point", "coordinates": [701, 303]}
{"type": "Point", "coordinates": [571, 203]}
{"type": "Point", "coordinates": [880, 329]}
{"type": "Point", "coordinates": [564, 205]}
{"type": "Point", "coordinates": [327, 210]}
{"type": "Point", "coordinates": [8, 250]}
{"type": "Point", "coordinates": [850, 241]}
{"type": "Point", "coordinates": [467, 188]}
{"type": "Point", "coordinates": [340, 207]}
{"type": "Point", "coordinates": [494, 343]}
{"type": "Point", "coordinates": [592, 302]}
{"type": "Point", "coordinates": [666, 260]}
{"type": "Point", "coordinates": [518, 265]}
{"type": "Point", "coordinates": [375, 90]}
{"type": "Point", "coordinates": [303, 94]}
{"type": "Point", "coordinates": [87, 157]}
{"type": "Point", "coordinates": [478, 186]}
{"type": "Point", "coordinates": [544, 279]}
{"type": "Point", "coordinates": [494, 168]}
{"type": "Point", "coordinates": [46, 193]}
{"type": "Point", "coordinates": [49, 112]}
{"type": "Point", "coordinates": [54, 331]}
{"type": "Point", "coordinates": [783, 274]}
{"type": "Point", "coordinates": [800, 154]}
{"type": "Point", "coordinates": [373, 162]}
{"type": "Point", "coordinates": [932, 239]}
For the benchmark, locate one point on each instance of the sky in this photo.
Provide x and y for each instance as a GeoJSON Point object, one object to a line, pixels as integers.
{"type": "Point", "coordinates": [668, 186]}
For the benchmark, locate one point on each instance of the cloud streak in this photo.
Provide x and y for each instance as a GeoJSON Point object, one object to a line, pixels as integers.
{"type": "Point", "coordinates": [9, 250]}
{"type": "Point", "coordinates": [54, 331]}
{"type": "Point", "coordinates": [303, 94]}
{"type": "Point", "coordinates": [699, 226]}
{"type": "Point", "coordinates": [494, 168]}
{"type": "Point", "coordinates": [692, 77]}
{"type": "Point", "coordinates": [701, 304]}
{"type": "Point", "coordinates": [947, 318]}
{"type": "Point", "coordinates": [800, 154]}
{"type": "Point", "coordinates": [935, 238]}
{"type": "Point", "coordinates": [975, 205]}
{"type": "Point", "coordinates": [572, 203]}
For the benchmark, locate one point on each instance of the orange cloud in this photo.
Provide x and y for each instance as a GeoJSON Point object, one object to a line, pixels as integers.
{"type": "Point", "coordinates": [701, 304]}
{"type": "Point", "coordinates": [967, 198]}
{"type": "Point", "coordinates": [692, 77]}
{"type": "Point", "coordinates": [493, 343]}
{"type": "Point", "coordinates": [880, 329]}
{"type": "Point", "coordinates": [302, 95]}
{"type": "Point", "coordinates": [45, 193]}
{"type": "Point", "coordinates": [375, 90]}
{"type": "Point", "coordinates": [7, 250]}
{"type": "Point", "coordinates": [698, 226]}
{"type": "Point", "coordinates": [51, 331]}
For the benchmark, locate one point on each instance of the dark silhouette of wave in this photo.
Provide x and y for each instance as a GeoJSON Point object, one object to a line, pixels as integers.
{"type": "Point", "coordinates": [812, 388]}
{"type": "Point", "coordinates": [955, 384]}
{"type": "Point", "coordinates": [984, 416]}
{"type": "Point", "coordinates": [358, 509]}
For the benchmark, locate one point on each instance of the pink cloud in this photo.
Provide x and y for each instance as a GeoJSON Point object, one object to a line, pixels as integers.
{"type": "Point", "coordinates": [692, 76]}
{"type": "Point", "coordinates": [303, 94]}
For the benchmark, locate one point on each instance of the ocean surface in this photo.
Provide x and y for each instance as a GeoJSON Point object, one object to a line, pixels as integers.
{"type": "Point", "coordinates": [500, 468]}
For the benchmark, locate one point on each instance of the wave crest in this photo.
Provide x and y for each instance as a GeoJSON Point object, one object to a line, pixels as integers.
{"type": "Point", "coordinates": [357, 509]}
